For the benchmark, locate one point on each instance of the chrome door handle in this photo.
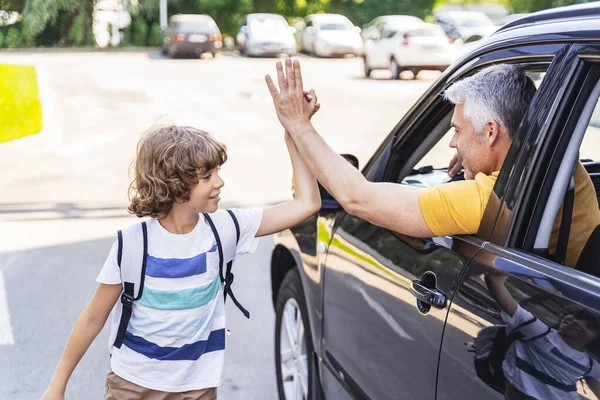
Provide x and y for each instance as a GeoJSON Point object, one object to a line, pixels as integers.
{"type": "Point", "coordinates": [433, 297]}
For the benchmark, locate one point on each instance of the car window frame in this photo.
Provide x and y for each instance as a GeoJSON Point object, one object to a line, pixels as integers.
{"type": "Point", "coordinates": [585, 66]}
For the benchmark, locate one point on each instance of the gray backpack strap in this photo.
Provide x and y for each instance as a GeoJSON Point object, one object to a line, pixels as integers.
{"type": "Point", "coordinates": [132, 256]}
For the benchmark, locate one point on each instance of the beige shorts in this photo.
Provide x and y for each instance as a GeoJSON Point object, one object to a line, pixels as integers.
{"type": "Point", "coordinates": [118, 388]}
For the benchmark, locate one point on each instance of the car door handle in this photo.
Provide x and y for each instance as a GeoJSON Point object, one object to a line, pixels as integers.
{"type": "Point", "coordinates": [429, 296]}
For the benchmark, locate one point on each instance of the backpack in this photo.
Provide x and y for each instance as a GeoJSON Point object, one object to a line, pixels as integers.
{"type": "Point", "coordinates": [491, 345]}
{"type": "Point", "coordinates": [132, 263]}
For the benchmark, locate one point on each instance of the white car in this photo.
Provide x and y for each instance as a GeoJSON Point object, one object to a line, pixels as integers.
{"type": "Point", "coordinates": [413, 47]}
{"type": "Point", "coordinates": [465, 24]}
{"type": "Point", "coordinates": [326, 35]}
{"type": "Point", "coordinates": [372, 30]}
{"type": "Point", "coordinates": [266, 35]}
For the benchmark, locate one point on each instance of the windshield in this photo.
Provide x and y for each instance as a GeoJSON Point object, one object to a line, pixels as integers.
{"type": "Point", "coordinates": [335, 26]}
{"type": "Point", "coordinates": [268, 24]}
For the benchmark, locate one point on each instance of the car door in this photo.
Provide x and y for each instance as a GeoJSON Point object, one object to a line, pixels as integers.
{"type": "Point", "coordinates": [543, 288]}
{"type": "Point", "coordinates": [386, 294]}
{"type": "Point", "coordinates": [308, 36]}
{"type": "Point", "coordinates": [385, 47]}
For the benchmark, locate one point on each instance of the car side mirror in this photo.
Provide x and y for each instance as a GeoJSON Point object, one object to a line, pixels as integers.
{"type": "Point", "coordinates": [244, 29]}
{"type": "Point", "coordinates": [328, 203]}
{"type": "Point", "coordinates": [358, 29]}
{"type": "Point", "coordinates": [292, 30]}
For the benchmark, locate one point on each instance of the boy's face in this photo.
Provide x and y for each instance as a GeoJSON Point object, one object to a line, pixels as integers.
{"type": "Point", "coordinates": [579, 329]}
{"type": "Point", "coordinates": [204, 197]}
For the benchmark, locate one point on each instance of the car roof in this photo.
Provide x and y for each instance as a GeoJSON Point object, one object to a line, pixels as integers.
{"type": "Point", "coordinates": [562, 24]}
{"type": "Point", "coordinates": [399, 18]}
{"type": "Point", "coordinates": [559, 14]}
{"type": "Point", "coordinates": [191, 17]}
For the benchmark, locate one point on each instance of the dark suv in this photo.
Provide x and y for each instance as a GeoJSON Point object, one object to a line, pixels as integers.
{"type": "Point", "coordinates": [366, 313]}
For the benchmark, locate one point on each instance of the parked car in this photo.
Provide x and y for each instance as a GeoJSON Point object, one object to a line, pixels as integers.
{"type": "Point", "coordinates": [266, 35]}
{"type": "Point", "coordinates": [366, 313]}
{"type": "Point", "coordinates": [412, 46]}
{"type": "Point", "coordinates": [327, 35]}
{"type": "Point", "coordinates": [191, 34]}
{"type": "Point", "coordinates": [462, 24]}
{"type": "Point", "coordinates": [372, 30]}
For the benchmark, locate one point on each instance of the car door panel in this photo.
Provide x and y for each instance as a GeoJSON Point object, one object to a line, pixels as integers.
{"type": "Point", "coordinates": [373, 330]}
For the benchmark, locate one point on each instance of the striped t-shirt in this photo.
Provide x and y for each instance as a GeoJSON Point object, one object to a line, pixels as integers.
{"type": "Point", "coordinates": [175, 340]}
{"type": "Point", "coordinates": [545, 367]}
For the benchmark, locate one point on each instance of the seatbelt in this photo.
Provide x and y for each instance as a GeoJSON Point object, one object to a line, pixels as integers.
{"type": "Point", "coordinates": [227, 280]}
{"type": "Point", "coordinates": [565, 223]}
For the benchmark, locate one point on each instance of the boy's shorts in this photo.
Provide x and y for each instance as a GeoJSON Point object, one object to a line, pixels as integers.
{"type": "Point", "coordinates": [118, 388]}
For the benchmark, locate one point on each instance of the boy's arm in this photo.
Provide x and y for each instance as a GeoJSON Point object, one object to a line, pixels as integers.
{"type": "Point", "coordinates": [87, 327]}
{"type": "Point", "coordinates": [496, 286]}
{"type": "Point", "coordinates": [306, 201]}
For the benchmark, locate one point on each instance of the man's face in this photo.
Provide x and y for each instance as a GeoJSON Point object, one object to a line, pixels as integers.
{"type": "Point", "coordinates": [577, 329]}
{"type": "Point", "coordinates": [470, 145]}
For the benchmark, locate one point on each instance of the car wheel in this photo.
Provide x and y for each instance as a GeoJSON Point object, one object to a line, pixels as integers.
{"type": "Point", "coordinates": [395, 69]}
{"type": "Point", "coordinates": [164, 51]}
{"type": "Point", "coordinates": [366, 65]}
{"type": "Point", "coordinates": [293, 341]}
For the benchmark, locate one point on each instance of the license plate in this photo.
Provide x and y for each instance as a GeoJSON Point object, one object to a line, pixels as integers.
{"type": "Point", "coordinates": [197, 38]}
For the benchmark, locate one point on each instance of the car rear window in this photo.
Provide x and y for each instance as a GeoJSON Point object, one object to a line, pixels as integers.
{"type": "Point", "coordinates": [268, 25]}
{"type": "Point", "coordinates": [195, 26]}
{"type": "Point", "coordinates": [424, 32]}
{"type": "Point", "coordinates": [334, 26]}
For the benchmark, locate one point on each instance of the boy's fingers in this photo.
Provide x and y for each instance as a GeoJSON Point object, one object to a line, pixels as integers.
{"type": "Point", "coordinates": [298, 75]}
{"type": "Point", "coordinates": [272, 87]}
{"type": "Point", "coordinates": [289, 74]}
{"type": "Point", "coordinates": [281, 78]}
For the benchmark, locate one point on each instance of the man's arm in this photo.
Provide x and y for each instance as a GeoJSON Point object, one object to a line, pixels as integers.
{"type": "Point", "coordinates": [392, 206]}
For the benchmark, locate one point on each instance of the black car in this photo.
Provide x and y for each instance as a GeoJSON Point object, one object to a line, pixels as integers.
{"type": "Point", "coordinates": [191, 34]}
{"type": "Point", "coordinates": [366, 313]}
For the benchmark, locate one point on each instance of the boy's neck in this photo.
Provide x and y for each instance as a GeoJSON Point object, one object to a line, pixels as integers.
{"type": "Point", "coordinates": [179, 223]}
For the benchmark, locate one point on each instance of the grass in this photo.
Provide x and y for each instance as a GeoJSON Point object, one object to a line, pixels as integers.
{"type": "Point", "coordinates": [20, 106]}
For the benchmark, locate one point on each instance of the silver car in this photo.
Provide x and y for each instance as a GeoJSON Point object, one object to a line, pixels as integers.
{"type": "Point", "coordinates": [266, 35]}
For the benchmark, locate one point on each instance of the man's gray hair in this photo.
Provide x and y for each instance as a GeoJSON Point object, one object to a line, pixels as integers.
{"type": "Point", "coordinates": [501, 93]}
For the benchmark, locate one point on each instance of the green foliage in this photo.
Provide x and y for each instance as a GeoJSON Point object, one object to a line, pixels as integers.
{"type": "Point", "coordinates": [1, 39]}
{"type": "Point", "coordinates": [520, 6]}
{"type": "Point", "coordinates": [156, 36]}
{"type": "Point", "coordinates": [76, 31]}
{"type": "Point", "coordinates": [13, 38]}
{"type": "Point", "coordinates": [140, 32]}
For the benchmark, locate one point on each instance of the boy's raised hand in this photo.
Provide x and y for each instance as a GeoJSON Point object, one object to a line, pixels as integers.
{"type": "Point", "coordinates": [293, 107]}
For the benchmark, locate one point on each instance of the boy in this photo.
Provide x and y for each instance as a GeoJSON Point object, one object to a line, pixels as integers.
{"type": "Point", "coordinates": [174, 344]}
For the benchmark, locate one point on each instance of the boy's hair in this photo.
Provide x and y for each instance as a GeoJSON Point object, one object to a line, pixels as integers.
{"type": "Point", "coordinates": [168, 163]}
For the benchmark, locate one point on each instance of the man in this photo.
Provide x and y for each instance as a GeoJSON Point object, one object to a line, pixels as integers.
{"type": "Point", "coordinates": [489, 107]}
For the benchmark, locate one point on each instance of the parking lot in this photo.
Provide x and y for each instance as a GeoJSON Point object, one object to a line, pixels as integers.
{"type": "Point", "coordinates": [64, 192]}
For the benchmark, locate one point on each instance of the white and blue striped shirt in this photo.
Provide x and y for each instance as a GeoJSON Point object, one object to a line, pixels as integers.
{"type": "Point", "coordinates": [175, 340]}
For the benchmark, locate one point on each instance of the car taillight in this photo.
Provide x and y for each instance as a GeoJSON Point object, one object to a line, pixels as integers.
{"type": "Point", "coordinates": [215, 38]}
{"type": "Point", "coordinates": [405, 41]}
{"type": "Point", "coordinates": [450, 40]}
{"type": "Point", "coordinates": [180, 38]}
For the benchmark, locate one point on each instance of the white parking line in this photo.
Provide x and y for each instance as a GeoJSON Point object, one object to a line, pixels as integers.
{"type": "Point", "coordinates": [6, 334]}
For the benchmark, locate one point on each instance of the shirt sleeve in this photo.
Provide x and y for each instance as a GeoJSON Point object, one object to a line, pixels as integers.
{"type": "Point", "coordinates": [110, 273]}
{"type": "Point", "coordinates": [249, 221]}
{"type": "Point", "coordinates": [455, 208]}
{"type": "Point", "coordinates": [520, 316]}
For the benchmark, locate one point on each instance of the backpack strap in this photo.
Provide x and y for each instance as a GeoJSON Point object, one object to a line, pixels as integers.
{"type": "Point", "coordinates": [226, 279]}
{"type": "Point", "coordinates": [132, 263]}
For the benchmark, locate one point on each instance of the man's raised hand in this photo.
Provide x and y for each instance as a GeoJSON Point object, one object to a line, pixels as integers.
{"type": "Point", "coordinates": [294, 108]}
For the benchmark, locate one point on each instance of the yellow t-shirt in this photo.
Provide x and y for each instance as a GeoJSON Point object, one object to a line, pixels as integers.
{"type": "Point", "coordinates": [457, 208]}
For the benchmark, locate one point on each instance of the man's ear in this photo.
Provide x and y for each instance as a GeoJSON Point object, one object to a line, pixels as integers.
{"type": "Point", "coordinates": [492, 132]}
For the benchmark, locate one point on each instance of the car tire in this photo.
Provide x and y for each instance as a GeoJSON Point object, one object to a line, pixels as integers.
{"type": "Point", "coordinates": [293, 341]}
{"type": "Point", "coordinates": [368, 69]}
{"type": "Point", "coordinates": [395, 69]}
{"type": "Point", "coordinates": [164, 51]}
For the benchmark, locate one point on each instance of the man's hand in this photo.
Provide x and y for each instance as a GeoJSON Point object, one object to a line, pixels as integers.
{"type": "Point", "coordinates": [291, 105]}
{"type": "Point", "coordinates": [455, 165]}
